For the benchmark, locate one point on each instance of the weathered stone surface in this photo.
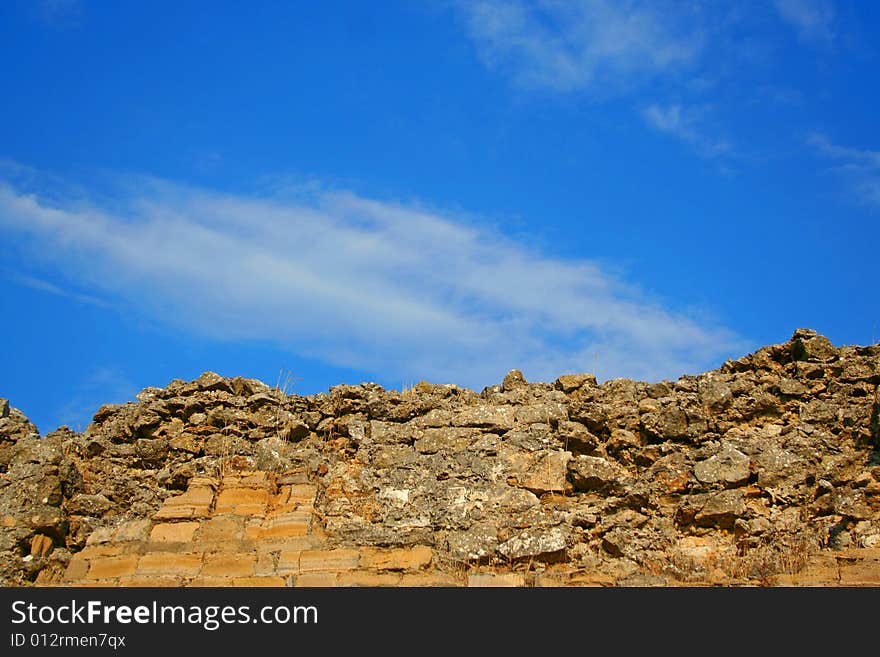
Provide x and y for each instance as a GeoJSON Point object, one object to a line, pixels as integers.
{"type": "Point", "coordinates": [812, 347]}
{"type": "Point", "coordinates": [222, 482]}
{"type": "Point", "coordinates": [512, 380]}
{"type": "Point", "coordinates": [594, 473]}
{"type": "Point", "coordinates": [537, 543]}
{"type": "Point", "coordinates": [666, 423]}
{"type": "Point", "coordinates": [568, 383]}
{"type": "Point", "coordinates": [88, 505]}
{"type": "Point", "coordinates": [721, 509]}
{"type": "Point", "coordinates": [477, 542]}
{"type": "Point", "coordinates": [546, 474]}
{"type": "Point", "coordinates": [775, 466]}
{"type": "Point", "coordinates": [792, 388]}
{"type": "Point", "coordinates": [729, 466]}
{"type": "Point", "coordinates": [716, 395]}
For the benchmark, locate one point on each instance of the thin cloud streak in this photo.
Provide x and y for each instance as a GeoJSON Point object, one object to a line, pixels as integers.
{"type": "Point", "coordinates": [860, 167]}
{"type": "Point", "coordinates": [384, 287]}
{"type": "Point", "coordinates": [813, 19]}
{"type": "Point", "coordinates": [45, 286]}
{"type": "Point", "coordinates": [684, 123]}
{"type": "Point", "coordinates": [595, 45]}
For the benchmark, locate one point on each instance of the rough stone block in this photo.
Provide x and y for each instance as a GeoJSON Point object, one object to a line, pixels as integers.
{"type": "Point", "coordinates": [102, 550]}
{"type": "Point", "coordinates": [221, 528]}
{"type": "Point", "coordinates": [76, 569]}
{"type": "Point", "coordinates": [112, 567]}
{"type": "Point", "coordinates": [315, 579]}
{"type": "Point", "coordinates": [214, 582]}
{"type": "Point", "coordinates": [266, 564]}
{"type": "Point", "coordinates": [166, 563]}
{"type": "Point", "coordinates": [289, 543]}
{"type": "Point", "coordinates": [101, 535]}
{"type": "Point", "coordinates": [194, 495]}
{"type": "Point", "coordinates": [484, 580]}
{"type": "Point", "coordinates": [242, 501]}
{"type": "Point", "coordinates": [269, 582]}
{"type": "Point", "coordinates": [303, 492]}
{"type": "Point", "coordinates": [430, 579]}
{"type": "Point", "coordinates": [229, 565]}
{"type": "Point", "coordinates": [864, 572]}
{"type": "Point", "coordinates": [134, 530]}
{"type": "Point", "coordinates": [289, 524]}
{"type": "Point", "coordinates": [397, 558]}
{"type": "Point", "coordinates": [362, 578]}
{"type": "Point", "coordinates": [94, 583]}
{"type": "Point", "coordinates": [288, 561]}
{"type": "Point", "coordinates": [591, 579]}
{"type": "Point", "coordinates": [173, 532]}
{"type": "Point", "coordinates": [182, 512]}
{"type": "Point", "coordinates": [149, 582]}
{"type": "Point", "coordinates": [256, 479]}
{"type": "Point", "coordinates": [339, 559]}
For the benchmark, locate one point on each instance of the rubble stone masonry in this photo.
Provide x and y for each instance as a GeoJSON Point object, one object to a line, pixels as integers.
{"type": "Point", "coordinates": [764, 472]}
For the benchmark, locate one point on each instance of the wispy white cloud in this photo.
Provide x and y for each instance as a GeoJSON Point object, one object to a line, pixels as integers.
{"type": "Point", "coordinates": [685, 123]}
{"type": "Point", "coordinates": [813, 19]}
{"type": "Point", "coordinates": [391, 288]}
{"type": "Point", "coordinates": [860, 167]}
{"type": "Point", "coordinates": [598, 46]}
{"type": "Point", "coordinates": [50, 288]}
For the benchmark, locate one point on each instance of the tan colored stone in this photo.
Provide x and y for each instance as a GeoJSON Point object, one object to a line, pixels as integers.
{"type": "Point", "coordinates": [287, 525]}
{"type": "Point", "coordinates": [860, 553]}
{"type": "Point", "coordinates": [255, 479]}
{"type": "Point", "coordinates": [195, 495]}
{"type": "Point", "coordinates": [496, 580]}
{"type": "Point", "coordinates": [864, 572]}
{"type": "Point", "coordinates": [221, 528]}
{"type": "Point", "coordinates": [591, 579]}
{"type": "Point", "coordinates": [229, 565]}
{"type": "Point", "coordinates": [242, 501]}
{"type": "Point", "coordinates": [101, 550]}
{"type": "Point", "coordinates": [173, 532]}
{"type": "Point", "coordinates": [396, 558]}
{"type": "Point", "coordinates": [182, 512]}
{"type": "Point", "coordinates": [303, 492]}
{"type": "Point", "coordinates": [430, 579]}
{"type": "Point", "coordinates": [315, 579]}
{"type": "Point", "coordinates": [265, 564]}
{"type": "Point", "coordinates": [364, 578]}
{"type": "Point", "coordinates": [261, 581]}
{"type": "Point", "coordinates": [820, 568]}
{"type": "Point", "coordinates": [76, 569]}
{"type": "Point", "coordinates": [148, 582]}
{"type": "Point", "coordinates": [93, 583]}
{"type": "Point", "coordinates": [550, 580]}
{"type": "Point", "coordinates": [217, 582]}
{"type": "Point", "coordinates": [112, 567]}
{"type": "Point", "coordinates": [101, 535]}
{"type": "Point", "coordinates": [251, 509]}
{"type": "Point", "coordinates": [41, 545]}
{"type": "Point", "coordinates": [288, 561]}
{"type": "Point", "coordinates": [338, 559]}
{"type": "Point", "coordinates": [203, 482]}
{"type": "Point", "coordinates": [134, 530]}
{"type": "Point", "coordinates": [167, 563]}
{"type": "Point", "coordinates": [290, 543]}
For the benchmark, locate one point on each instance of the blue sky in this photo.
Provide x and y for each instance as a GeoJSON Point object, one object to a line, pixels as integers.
{"type": "Point", "coordinates": [346, 191]}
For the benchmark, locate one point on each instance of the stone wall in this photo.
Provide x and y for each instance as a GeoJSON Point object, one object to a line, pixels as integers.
{"type": "Point", "coordinates": [765, 471]}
